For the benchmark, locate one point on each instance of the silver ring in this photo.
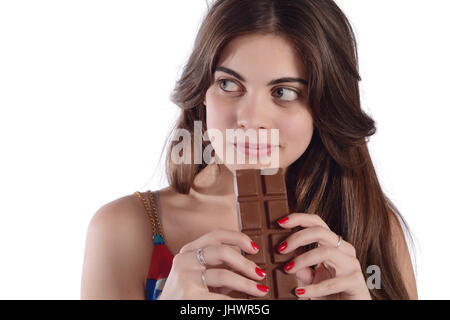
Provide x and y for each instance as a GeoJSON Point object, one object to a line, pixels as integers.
{"type": "Point", "coordinates": [203, 278]}
{"type": "Point", "coordinates": [200, 257]}
{"type": "Point", "coordinates": [339, 242]}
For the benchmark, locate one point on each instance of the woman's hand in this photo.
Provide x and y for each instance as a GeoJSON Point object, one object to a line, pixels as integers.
{"type": "Point", "coordinates": [338, 274]}
{"type": "Point", "coordinates": [185, 278]}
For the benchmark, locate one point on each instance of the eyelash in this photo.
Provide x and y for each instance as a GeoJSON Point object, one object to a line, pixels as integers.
{"type": "Point", "coordinates": [299, 94]}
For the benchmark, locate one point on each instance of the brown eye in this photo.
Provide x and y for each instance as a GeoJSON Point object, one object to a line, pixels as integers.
{"type": "Point", "coordinates": [289, 95]}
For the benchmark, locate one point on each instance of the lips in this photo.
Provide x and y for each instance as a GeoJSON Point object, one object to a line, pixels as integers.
{"type": "Point", "coordinates": [254, 150]}
{"type": "Point", "coordinates": [254, 146]}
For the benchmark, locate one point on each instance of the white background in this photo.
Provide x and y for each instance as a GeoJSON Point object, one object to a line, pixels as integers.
{"type": "Point", "coordinates": [85, 110]}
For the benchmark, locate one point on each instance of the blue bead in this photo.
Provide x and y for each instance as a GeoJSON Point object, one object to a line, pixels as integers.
{"type": "Point", "coordinates": [158, 239]}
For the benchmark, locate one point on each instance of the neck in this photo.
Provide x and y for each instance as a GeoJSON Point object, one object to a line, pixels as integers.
{"type": "Point", "coordinates": [214, 180]}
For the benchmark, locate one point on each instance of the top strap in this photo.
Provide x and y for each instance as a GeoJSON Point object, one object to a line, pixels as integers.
{"type": "Point", "coordinates": [152, 212]}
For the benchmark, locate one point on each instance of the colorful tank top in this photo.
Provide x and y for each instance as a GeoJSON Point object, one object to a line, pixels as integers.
{"type": "Point", "coordinates": [161, 260]}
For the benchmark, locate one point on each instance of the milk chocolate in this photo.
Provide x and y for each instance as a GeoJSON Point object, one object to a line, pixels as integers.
{"type": "Point", "coordinates": [261, 201]}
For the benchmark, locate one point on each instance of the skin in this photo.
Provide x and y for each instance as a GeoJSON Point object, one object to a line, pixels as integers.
{"type": "Point", "coordinates": [191, 221]}
{"type": "Point", "coordinates": [252, 104]}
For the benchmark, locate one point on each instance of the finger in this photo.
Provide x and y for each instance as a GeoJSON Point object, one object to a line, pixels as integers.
{"type": "Point", "coordinates": [218, 255]}
{"type": "Point", "coordinates": [319, 234]}
{"type": "Point", "coordinates": [187, 259]}
{"type": "Point", "coordinates": [234, 281]}
{"type": "Point", "coordinates": [229, 292]}
{"type": "Point", "coordinates": [222, 236]}
{"type": "Point", "coordinates": [302, 219]}
{"type": "Point", "coordinates": [215, 296]}
{"type": "Point", "coordinates": [332, 257]}
{"type": "Point", "coordinates": [349, 284]}
{"type": "Point", "coordinates": [224, 254]}
{"type": "Point", "coordinates": [305, 275]}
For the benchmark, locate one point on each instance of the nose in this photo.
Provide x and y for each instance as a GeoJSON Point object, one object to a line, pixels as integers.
{"type": "Point", "coordinates": [253, 114]}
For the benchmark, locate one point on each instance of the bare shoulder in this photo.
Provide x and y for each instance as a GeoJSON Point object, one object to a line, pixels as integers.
{"type": "Point", "coordinates": [120, 213]}
{"type": "Point", "coordinates": [403, 256]}
{"type": "Point", "coordinates": [117, 251]}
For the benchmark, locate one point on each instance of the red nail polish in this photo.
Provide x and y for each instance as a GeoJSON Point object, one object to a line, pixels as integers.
{"type": "Point", "coordinates": [282, 246]}
{"type": "Point", "coordinates": [260, 272]}
{"type": "Point", "coordinates": [283, 220]}
{"type": "Point", "coordinates": [255, 246]}
{"type": "Point", "coordinates": [300, 291]}
{"type": "Point", "coordinates": [289, 266]}
{"type": "Point", "coordinates": [262, 288]}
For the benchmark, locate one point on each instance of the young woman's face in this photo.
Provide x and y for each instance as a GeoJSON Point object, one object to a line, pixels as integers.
{"type": "Point", "coordinates": [244, 96]}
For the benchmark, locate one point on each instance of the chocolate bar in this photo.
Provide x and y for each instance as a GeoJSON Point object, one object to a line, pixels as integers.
{"type": "Point", "coordinates": [261, 201]}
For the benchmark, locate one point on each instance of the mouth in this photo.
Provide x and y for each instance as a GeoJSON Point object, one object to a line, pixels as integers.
{"type": "Point", "coordinates": [255, 150]}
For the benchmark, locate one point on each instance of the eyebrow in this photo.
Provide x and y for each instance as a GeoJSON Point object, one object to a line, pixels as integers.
{"type": "Point", "coordinates": [275, 81]}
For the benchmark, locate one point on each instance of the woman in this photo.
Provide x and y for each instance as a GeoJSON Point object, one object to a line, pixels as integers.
{"type": "Point", "coordinates": [232, 81]}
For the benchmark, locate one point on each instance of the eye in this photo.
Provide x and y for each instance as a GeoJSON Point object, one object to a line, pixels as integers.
{"type": "Point", "coordinates": [291, 95]}
{"type": "Point", "coordinates": [226, 81]}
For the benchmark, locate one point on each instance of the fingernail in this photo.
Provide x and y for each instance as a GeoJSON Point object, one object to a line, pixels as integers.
{"type": "Point", "coordinates": [282, 246]}
{"type": "Point", "coordinates": [289, 266]}
{"type": "Point", "coordinates": [283, 220]}
{"type": "Point", "coordinates": [255, 246]}
{"type": "Point", "coordinates": [260, 272]}
{"type": "Point", "coordinates": [262, 288]}
{"type": "Point", "coordinates": [300, 291]}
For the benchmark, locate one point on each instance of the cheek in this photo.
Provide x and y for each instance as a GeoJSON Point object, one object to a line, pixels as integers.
{"type": "Point", "coordinates": [298, 132]}
{"type": "Point", "coordinates": [219, 115]}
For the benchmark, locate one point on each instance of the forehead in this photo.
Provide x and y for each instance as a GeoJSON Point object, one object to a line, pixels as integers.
{"type": "Point", "coordinates": [262, 57]}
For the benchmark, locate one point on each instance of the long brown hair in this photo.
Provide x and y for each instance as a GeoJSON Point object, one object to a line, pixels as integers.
{"type": "Point", "coordinates": [335, 177]}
